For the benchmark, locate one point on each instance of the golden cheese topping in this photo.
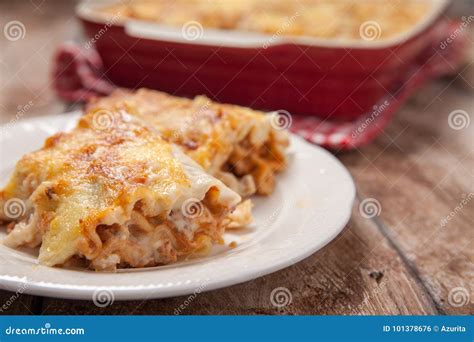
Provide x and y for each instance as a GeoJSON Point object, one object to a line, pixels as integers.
{"type": "Point", "coordinates": [207, 131]}
{"type": "Point", "coordinates": [325, 19]}
{"type": "Point", "coordinates": [97, 174]}
{"type": "Point", "coordinates": [242, 147]}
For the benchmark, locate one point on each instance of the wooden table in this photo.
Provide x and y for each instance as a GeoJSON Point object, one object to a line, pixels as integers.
{"type": "Point", "coordinates": [407, 260]}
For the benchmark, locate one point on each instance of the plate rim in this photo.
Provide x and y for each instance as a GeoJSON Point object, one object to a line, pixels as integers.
{"type": "Point", "coordinates": [136, 292]}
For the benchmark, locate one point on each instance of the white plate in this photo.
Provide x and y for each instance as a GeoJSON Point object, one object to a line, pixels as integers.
{"type": "Point", "coordinates": [311, 205]}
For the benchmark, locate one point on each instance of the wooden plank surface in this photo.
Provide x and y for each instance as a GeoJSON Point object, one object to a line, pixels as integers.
{"type": "Point", "coordinates": [407, 260]}
{"type": "Point", "coordinates": [25, 66]}
{"type": "Point", "coordinates": [422, 172]}
{"type": "Point", "coordinates": [337, 280]}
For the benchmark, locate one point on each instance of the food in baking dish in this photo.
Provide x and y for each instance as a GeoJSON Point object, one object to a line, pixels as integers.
{"type": "Point", "coordinates": [113, 194]}
{"type": "Point", "coordinates": [242, 147]}
{"type": "Point", "coordinates": [326, 19]}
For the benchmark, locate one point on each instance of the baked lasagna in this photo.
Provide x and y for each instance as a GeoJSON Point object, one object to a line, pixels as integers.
{"type": "Point", "coordinates": [324, 19]}
{"type": "Point", "coordinates": [242, 147]}
{"type": "Point", "coordinates": [113, 194]}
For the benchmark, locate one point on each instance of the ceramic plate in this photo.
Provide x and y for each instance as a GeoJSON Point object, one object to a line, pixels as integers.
{"type": "Point", "coordinates": [310, 206]}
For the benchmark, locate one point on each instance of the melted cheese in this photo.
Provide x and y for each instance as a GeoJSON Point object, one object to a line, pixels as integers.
{"type": "Point", "coordinates": [97, 175]}
{"type": "Point", "coordinates": [207, 131]}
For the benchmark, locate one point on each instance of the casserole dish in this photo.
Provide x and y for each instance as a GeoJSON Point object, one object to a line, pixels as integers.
{"type": "Point", "coordinates": [340, 79]}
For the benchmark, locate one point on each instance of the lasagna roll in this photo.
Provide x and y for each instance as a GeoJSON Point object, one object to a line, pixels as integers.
{"type": "Point", "coordinates": [113, 194]}
{"type": "Point", "coordinates": [242, 147]}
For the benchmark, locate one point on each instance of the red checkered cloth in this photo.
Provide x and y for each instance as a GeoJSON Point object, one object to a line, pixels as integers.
{"type": "Point", "coordinates": [77, 77]}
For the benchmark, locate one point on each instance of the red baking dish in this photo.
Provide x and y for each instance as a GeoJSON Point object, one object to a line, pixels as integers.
{"type": "Point", "coordinates": [303, 75]}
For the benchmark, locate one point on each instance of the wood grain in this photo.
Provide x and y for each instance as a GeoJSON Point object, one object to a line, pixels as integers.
{"type": "Point", "coordinates": [25, 66]}
{"type": "Point", "coordinates": [18, 303]}
{"type": "Point", "coordinates": [336, 280]}
{"type": "Point", "coordinates": [424, 173]}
